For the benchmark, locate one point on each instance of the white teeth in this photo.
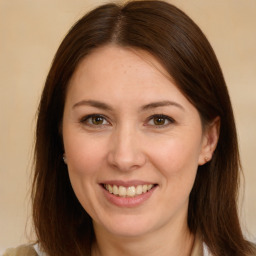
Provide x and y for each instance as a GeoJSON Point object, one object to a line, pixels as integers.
{"type": "Point", "coordinates": [139, 190]}
{"type": "Point", "coordinates": [129, 191]}
{"type": "Point", "coordinates": [110, 189]}
{"type": "Point", "coordinates": [150, 186]}
{"type": "Point", "coordinates": [122, 191]}
{"type": "Point", "coordinates": [144, 188]}
{"type": "Point", "coordinates": [115, 190]}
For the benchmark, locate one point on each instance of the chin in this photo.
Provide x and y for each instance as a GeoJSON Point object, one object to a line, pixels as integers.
{"type": "Point", "coordinates": [129, 232]}
{"type": "Point", "coordinates": [129, 226]}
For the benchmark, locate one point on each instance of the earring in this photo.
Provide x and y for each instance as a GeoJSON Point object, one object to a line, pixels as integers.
{"type": "Point", "coordinates": [64, 158]}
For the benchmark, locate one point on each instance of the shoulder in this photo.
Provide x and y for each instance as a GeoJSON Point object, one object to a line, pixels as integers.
{"type": "Point", "coordinates": [23, 250]}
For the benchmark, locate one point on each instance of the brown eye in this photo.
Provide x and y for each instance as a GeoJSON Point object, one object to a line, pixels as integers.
{"type": "Point", "coordinates": [97, 120]}
{"type": "Point", "coordinates": [159, 121]}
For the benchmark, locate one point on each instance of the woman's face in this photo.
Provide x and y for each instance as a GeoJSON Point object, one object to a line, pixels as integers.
{"type": "Point", "coordinates": [132, 141]}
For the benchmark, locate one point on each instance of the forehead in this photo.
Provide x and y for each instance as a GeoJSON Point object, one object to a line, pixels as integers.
{"type": "Point", "coordinates": [111, 63]}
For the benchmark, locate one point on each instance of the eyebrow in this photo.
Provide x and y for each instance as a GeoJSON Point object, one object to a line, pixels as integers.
{"type": "Point", "coordinates": [161, 104]}
{"type": "Point", "coordinates": [93, 103]}
{"type": "Point", "coordinates": [104, 106]}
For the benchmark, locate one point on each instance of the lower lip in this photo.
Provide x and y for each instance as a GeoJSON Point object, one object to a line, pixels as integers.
{"type": "Point", "coordinates": [128, 201]}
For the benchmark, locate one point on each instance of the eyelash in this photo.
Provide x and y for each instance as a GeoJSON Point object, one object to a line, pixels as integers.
{"type": "Point", "coordinates": [85, 120]}
{"type": "Point", "coordinates": [160, 116]}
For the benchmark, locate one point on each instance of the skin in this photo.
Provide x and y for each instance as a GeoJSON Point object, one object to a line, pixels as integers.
{"type": "Point", "coordinates": [131, 143]}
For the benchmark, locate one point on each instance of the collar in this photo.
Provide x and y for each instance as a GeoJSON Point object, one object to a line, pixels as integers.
{"type": "Point", "coordinates": [199, 247]}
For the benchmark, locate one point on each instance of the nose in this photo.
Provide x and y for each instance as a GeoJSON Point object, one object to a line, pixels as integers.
{"type": "Point", "coordinates": [126, 152]}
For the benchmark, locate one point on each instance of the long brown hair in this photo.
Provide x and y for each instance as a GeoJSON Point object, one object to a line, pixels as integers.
{"type": "Point", "coordinates": [62, 225]}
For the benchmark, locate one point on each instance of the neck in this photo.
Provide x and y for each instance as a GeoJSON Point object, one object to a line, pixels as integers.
{"type": "Point", "coordinates": [176, 241]}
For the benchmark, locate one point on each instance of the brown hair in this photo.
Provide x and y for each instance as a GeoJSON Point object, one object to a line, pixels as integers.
{"type": "Point", "coordinates": [61, 224]}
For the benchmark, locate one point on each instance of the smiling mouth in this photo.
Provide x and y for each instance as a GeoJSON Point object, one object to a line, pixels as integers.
{"type": "Point", "coordinates": [131, 191]}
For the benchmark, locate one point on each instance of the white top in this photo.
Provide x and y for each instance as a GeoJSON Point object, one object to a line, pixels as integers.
{"type": "Point", "coordinates": [206, 250]}
{"type": "Point", "coordinates": [38, 251]}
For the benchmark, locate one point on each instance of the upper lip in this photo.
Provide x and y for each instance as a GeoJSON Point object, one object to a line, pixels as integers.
{"type": "Point", "coordinates": [127, 183]}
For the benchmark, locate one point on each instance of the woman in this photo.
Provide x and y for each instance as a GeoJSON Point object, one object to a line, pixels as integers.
{"type": "Point", "coordinates": [136, 148]}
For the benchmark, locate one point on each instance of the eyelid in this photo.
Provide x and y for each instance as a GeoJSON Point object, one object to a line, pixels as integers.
{"type": "Point", "coordinates": [84, 120]}
{"type": "Point", "coordinates": [168, 118]}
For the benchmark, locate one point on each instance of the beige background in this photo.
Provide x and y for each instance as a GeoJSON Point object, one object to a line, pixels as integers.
{"type": "Point", "coordinates": [30, 32]}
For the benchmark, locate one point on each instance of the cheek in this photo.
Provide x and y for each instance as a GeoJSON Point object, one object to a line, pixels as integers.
{"type": "Point", "coordinates": [84, 155]}
{"type": "Point", "coordinates": [177, 154]}
{"type": "Point", "coordinates": [177, 160]}
{"type": "Point", "coordinates": [84, 160]}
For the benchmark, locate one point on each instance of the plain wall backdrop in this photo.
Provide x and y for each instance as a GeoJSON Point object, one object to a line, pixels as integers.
{"type": "Point", "coordinates": [30, 33]}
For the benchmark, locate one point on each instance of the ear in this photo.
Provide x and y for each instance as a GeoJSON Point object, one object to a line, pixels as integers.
{"type": "Point", "coordinates": [209, 141]}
